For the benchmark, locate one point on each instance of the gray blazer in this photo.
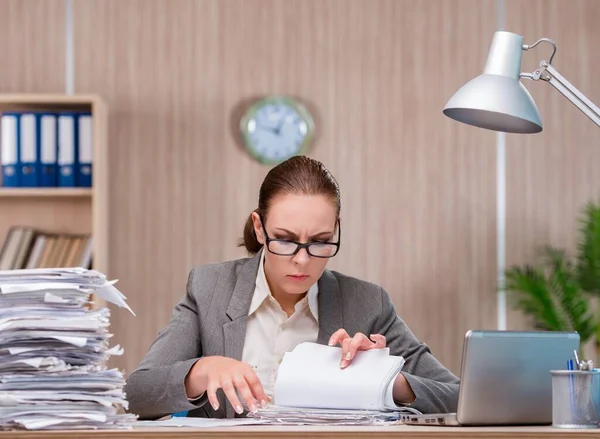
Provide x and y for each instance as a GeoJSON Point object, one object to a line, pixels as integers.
{"type": "Point", "coordinates": [211, 320]}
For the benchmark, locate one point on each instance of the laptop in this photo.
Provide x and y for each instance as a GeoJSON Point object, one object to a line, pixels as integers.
{"type": "Point", "coordinates": [505, 378]}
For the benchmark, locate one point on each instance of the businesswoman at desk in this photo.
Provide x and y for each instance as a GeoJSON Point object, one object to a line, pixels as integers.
{"type": "Point", "coordinates": [226, 337]}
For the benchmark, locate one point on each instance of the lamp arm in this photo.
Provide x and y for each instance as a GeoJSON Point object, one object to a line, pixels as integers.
{"type": "Point", "coordinates": [547, 72]}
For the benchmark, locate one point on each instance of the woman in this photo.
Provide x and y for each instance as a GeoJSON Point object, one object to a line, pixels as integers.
{"type": "Point", "coordinates": [225, 340]}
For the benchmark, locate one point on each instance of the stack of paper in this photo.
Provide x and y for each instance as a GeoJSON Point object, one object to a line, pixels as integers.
{"type": "Point", "coordinates": [53, 351]}
{"type": "Point", "coordinates": [302, 416]}
{"type": "Point", "coordinates": [311, 388]}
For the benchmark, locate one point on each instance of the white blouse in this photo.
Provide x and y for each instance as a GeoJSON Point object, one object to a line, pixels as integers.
{"type": "Point", "coordinates": [270, 333]}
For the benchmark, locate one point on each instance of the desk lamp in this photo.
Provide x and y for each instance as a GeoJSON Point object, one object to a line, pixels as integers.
{"type": "Point", "coordinates": [496, 100]}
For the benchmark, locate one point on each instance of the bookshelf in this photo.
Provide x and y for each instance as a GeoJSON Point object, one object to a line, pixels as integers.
{"type": "Point", "coordinates": [63, 210]}
{"type": "Point", "coordinates": [46, 192]}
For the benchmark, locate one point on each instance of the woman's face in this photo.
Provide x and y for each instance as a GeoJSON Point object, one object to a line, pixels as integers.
{"type": "Point", "coordinates": [301, 218]}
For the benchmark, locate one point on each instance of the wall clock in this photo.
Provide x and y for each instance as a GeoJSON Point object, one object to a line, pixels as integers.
{"type": "Point", "coordinates": [276, 128]}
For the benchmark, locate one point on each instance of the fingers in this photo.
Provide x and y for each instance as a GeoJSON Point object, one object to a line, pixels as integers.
{"type": "Point", "coordinates": [338, 336]}
{"type": "Point", "coordinates": [256, 388]}
{"type": "Point", "coordinates": [358, 342]}
{"type": "Point", "coordinates": [229, 388]}
{"type": "Point", "coordinates": [351, 345]}
{"type": "Point", "coordinates": [345, 349]}
{"type": "Point", "coordinates": [380, 341]}
{"type": "Point", "coordinates": [247, 385]}
{"type": "Point", "coordinates": [211, 393]}
{"type": "Point", "coordinates": [246, 393]}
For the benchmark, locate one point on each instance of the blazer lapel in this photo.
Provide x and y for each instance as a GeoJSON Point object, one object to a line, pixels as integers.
{"type": "Point", "coordinates": [234, 331]}
{"type": "Point", "coordinates": [330, 307]}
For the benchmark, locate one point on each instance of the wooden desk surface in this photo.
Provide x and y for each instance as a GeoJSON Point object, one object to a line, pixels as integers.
{"type": "Point", "coordinates": [255, 432]}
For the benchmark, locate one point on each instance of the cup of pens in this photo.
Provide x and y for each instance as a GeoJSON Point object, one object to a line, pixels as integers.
{"type": "Point", "coordinates": [576, 395]}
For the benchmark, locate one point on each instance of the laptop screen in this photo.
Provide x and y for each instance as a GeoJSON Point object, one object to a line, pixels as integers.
{"type": "Point", "coordinates": [505, 375]}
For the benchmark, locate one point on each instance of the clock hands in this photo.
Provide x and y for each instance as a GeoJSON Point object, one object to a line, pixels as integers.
{"type": "Point", "coordinates": [276, 127]}
{"type": "Point", "coordinates": [275, 130]}
{"type": "Point", "coordinates": [279, 126]}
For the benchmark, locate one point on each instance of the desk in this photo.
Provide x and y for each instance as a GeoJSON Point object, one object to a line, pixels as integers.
{"type": "Point", "coordinates": [257, 432]}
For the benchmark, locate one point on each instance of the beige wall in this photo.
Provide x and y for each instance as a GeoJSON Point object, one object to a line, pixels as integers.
{"type": "Point", "coordinates": [550, 176]}
{"type": "Point", "coordinates": [32, 46]}
{"type": "Point", "coordinates": [418, 190]}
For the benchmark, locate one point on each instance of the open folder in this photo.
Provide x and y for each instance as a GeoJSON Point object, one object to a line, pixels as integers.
{"type": "Point", "coordinates": [310, 377]}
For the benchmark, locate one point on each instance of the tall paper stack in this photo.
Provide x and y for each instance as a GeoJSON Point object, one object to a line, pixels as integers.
{"type": "Point", "coordinates": [53, 352]}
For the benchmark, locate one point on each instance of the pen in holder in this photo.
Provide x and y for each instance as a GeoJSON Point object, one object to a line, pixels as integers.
{"type": "Point", "coordinates": [576, 396]}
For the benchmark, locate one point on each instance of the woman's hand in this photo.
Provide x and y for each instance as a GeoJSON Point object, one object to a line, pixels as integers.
{"type": "Point", "coordinates": [352, 344]}
{"type": "Point", "coordinates": [402, 391]}
{"type": "Point", "coordinates": [209, 374]}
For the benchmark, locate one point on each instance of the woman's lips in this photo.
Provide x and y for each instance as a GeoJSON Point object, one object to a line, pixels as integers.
{"type": "Point", "coordinates": [298, 277]}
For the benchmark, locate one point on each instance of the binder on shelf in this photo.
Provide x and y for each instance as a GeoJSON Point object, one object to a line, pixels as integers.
{"type": "Point", "coordinates": [48, 146]}
{"type": "Point", "coordinates": [67, 149]}
{"type": "Point", "coordinates": [84, 156]}
{"type": "Point", "coordinates": [28, 151]}
{"type": "Point", "coordinates": [9, 152]}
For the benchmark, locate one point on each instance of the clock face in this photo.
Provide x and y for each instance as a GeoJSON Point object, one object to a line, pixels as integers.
{"type": "Point", "coordinates": [277, 128]}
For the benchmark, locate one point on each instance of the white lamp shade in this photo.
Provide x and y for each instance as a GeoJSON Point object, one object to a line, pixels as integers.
{"type": "Point", "coordinates": [495, 102]}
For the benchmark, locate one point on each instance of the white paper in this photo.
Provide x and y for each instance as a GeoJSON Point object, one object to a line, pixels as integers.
{"type": "Point", "coordinates": [8, 288]}
{"type": "Point", "coordinates": [310, 376]}
{"type": "Point", "coordinates": [278, 415]}
{"type": "Point", "coordinates": [76, 341]}
{"type": "Point", "coordinates": [72, 323]}
{"type": "Point", "coordinates": [34, 362]}
{"type": "Point", "coordinates": [115, 350]}
{"type": "Point", "coordinates": [38, 362]}
{"type": "Point", "coordinates": [112, 295]}
{"type": "Point", "coordinates": [16, 351]}
{"type": "Point", "coordinates": [53, 352]}
{"type": "Point", "coordinates": [53, 273]}
{"type": "Point", "coordinates": [64, 421]}
{"type": "Point", "coordinates": [197, 422]}
{"type": "Point", "coordinates": [51, 298]}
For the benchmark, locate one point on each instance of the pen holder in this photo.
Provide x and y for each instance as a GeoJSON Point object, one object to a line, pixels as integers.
{"type": "Point", "coordinates": [576, 398]}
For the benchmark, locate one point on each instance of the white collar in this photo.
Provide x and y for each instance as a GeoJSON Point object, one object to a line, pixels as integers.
{"type": "Point", "coordinates": [262, 291]}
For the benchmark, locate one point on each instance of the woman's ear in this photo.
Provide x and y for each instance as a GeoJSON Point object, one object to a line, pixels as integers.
{"type": "Point", "coordinates": [258, 228]}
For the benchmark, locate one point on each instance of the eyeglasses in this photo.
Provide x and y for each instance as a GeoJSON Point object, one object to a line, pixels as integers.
{"type": "Point", "coordinates": [285, 247]}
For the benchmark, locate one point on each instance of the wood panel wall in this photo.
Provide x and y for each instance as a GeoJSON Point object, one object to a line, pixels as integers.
{"type": "Point", "coordinates": [32, 45]}
{"type": "Point", "coordinates": [418, 189]}
{"type": "Point", "coordinates": [551, 175]}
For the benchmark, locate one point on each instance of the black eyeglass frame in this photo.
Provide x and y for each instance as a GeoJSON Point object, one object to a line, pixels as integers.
{"type": "Point", "coordinates": [300, 245]}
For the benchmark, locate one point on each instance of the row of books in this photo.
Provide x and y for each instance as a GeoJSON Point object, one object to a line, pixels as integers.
{"type": "Point", "coordinates": [46, 149]}
{"type": "Point", "coordinates": [27, 247]}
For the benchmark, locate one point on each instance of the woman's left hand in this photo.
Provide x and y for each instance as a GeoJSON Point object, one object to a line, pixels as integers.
{"type": "Point", "coordinates": [352, 344]}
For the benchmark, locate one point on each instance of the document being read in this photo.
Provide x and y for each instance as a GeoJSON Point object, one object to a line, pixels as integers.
{"type": "Point", "coordinates": [310, 377]}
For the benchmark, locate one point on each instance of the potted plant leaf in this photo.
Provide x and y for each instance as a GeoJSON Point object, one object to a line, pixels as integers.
{"type": "Point", "coordinates": [556, 291]}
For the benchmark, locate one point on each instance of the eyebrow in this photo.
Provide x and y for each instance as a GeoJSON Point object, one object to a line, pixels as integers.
{"type": "Point", "coordinates": [293, 235]}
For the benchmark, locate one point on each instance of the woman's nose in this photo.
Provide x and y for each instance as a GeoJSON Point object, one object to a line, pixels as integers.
{"type": "Point", "coordinates": [302, 257]}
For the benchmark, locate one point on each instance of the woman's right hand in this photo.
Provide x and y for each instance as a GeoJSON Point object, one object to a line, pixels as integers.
{"type": "Point", "coordinates": [209, 374]}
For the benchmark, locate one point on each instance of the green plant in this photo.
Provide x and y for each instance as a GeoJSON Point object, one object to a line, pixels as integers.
{"type": "Point", "coordinates": [556, 291]}
{"type": "Point", "coordinates": [588, 258]}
